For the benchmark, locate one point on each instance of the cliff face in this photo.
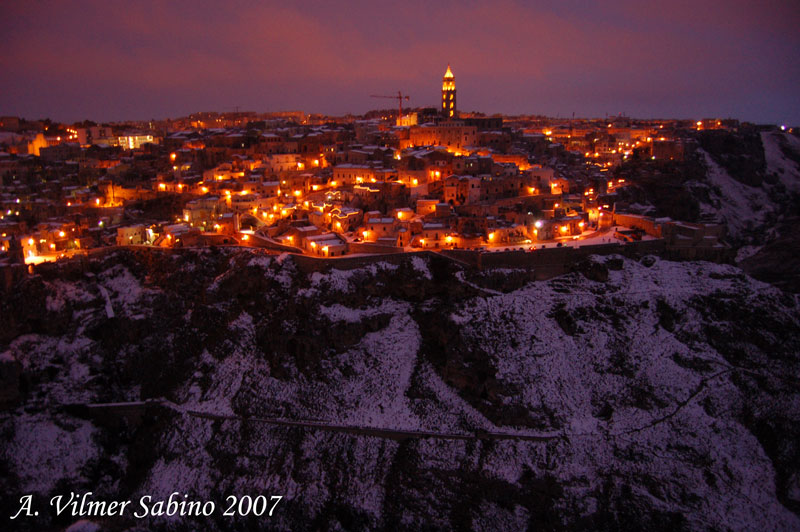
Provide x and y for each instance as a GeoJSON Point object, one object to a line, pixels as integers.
{"type": "Point", "coordinates": [748, 180]}
{"type": "Point", "coordinates": [653, 395]}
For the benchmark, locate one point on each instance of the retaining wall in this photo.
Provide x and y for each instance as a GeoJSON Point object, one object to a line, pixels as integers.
{"type": "Point", "coordinates": [545, 263]}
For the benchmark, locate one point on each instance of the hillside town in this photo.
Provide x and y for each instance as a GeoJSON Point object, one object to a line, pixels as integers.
{"type": "Point", "coordinates": [387, 182]}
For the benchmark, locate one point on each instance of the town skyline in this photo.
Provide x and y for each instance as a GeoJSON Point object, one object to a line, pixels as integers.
{"type": "Point", "coordinates": [156, 62]}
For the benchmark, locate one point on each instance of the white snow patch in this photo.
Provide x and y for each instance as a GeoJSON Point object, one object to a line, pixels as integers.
{"type": "Point", "coordinates": [109, 307]}
{"type": "Point", "coordinates": [421, 266]}
{"type": "Point", "coordinates": [337, 312]}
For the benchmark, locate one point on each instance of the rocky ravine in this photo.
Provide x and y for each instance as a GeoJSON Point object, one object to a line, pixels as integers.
{"type": "Point", "coordinates": [668, 392]}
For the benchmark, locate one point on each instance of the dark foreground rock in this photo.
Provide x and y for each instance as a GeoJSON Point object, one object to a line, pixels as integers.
{"type": "Point", "coordinates": [628, 395]}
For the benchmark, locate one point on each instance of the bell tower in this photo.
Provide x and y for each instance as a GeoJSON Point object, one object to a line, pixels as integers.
{"type": "Point", "coordinates": [449, 109]}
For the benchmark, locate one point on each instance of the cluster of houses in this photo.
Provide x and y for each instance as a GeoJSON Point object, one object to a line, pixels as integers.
{"type": "Point", "coordinates": [318, 185]}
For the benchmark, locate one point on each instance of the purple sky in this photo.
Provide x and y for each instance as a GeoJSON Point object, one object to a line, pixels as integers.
{"type": "Point", "coordinates": [110, 60]}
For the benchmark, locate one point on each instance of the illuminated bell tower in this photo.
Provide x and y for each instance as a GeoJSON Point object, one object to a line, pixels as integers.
{"type": "Point", "coordinates": [449, 95]}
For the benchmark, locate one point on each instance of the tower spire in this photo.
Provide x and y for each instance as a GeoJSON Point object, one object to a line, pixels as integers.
{"type": "Point", "coordinates": [449, 109]}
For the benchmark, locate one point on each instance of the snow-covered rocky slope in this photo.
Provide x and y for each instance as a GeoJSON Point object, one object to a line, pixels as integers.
{"type": "Point", "coordinates": [747, 180]}
{"type": "Point", "coordinates": [663, 398]}
{"type": "Point", "coordinates": [751, 204]}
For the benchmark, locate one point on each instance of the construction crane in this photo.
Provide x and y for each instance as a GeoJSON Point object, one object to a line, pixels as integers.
{"type": "Point", "coordinates": [399, 99]}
